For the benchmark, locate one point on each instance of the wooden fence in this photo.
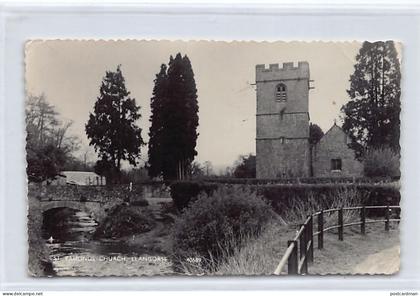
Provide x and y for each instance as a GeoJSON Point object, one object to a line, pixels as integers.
{"type": "Point", "coordinates": [300, 250]}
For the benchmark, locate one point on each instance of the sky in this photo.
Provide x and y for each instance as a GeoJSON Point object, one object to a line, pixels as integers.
{"type": "Point", "coordinates": [69, 74]}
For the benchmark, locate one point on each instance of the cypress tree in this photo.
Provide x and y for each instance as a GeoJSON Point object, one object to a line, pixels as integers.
{"type": "Point", "coordinates": [157, 103]}
{"type": "Point", "coordinates": [175, 99]}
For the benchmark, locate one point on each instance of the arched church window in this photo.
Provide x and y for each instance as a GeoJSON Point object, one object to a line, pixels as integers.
{"type": "Point", "coordinates": [281, 92]}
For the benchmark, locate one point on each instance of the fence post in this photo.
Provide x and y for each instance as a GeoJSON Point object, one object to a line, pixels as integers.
{"type": "Point", "coordinates": [340, 223]}
{"type": "Point", "coordinates": [292, 263]}
{"type": "Point", "coordinates": [311, 239]}
{"type": "Point", "coordinates": [363, 220]}
{"type": "Point", "coordinates": [303, 244]}
{"type": "Point", "coordinates": [321, 230]}
{"type": "Point", "coordinates": [387, 218]}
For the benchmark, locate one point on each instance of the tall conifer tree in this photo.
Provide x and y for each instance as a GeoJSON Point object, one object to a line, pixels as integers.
{"type": "Point", "coordinates": [173, 132]}
{"type": "Point", "coordinates": [372, 116]}
{"type": "Point", "coordinates": [112, 127]}
{"type": "Point", "coordinates": [157, 104]}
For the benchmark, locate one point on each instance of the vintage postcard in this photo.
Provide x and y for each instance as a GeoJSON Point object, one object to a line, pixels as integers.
{"type": "Point", "coordinates": [161, 158]}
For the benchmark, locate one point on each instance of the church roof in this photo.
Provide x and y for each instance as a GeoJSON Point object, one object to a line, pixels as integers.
{"type": "Point", "coordinates": [335, 128]}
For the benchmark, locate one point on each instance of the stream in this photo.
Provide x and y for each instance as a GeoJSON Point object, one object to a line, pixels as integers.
{"type": "Point", "coordinates": [73, 252]}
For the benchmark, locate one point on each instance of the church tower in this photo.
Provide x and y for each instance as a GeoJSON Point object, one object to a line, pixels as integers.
{"type": "Point", "coordinates": [282, 143]}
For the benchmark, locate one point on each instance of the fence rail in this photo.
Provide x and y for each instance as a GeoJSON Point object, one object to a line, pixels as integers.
{"type": "Point", "coordinates": [300, 250]}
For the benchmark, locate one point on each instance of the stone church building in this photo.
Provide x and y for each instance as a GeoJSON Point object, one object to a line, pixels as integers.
{"type": "Point", "coordinates": [282, 142]}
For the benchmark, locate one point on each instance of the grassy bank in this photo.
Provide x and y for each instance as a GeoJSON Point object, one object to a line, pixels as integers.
{"type": "Point", "coordinates": [260, 256]}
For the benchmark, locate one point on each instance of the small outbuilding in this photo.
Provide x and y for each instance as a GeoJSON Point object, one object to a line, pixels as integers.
{"type": "Point", "coordinates": [332, 156]}
{"type": "Point", "coordinates": [79, 178]}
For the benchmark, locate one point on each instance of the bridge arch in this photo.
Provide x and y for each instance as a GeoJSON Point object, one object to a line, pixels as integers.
{"type": "Point", "coordinates": [95, 209]}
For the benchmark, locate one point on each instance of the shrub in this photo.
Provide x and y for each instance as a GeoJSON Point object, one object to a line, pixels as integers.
{"type": "Point", "coordinates": [184, 192]}
{"type": "Point", "coordinates": [207, 226]}
{"type": "Point", "coordinates": [382, 162]}
{"type": "Point", "coordinates": [123, 220]}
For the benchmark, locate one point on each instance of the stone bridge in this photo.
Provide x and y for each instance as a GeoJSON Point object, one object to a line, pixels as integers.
{"type": "Point", "coordinates": [93, 200]}
{"type": "Point", "coordinates": [96, 209]}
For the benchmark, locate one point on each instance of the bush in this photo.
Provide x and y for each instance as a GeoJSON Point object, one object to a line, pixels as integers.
{"type": "Point", "coordinates": [208, 225]}
{"type": "Point", "coordinates": [382, 162]}
{"type": "Point", "coordinates": [184, 192]}
{"type": "Point", "coordinates": [123, 220]}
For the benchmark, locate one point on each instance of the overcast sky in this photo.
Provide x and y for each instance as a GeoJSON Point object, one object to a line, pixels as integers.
{"type": "Point", "coordinates": [69, 73]}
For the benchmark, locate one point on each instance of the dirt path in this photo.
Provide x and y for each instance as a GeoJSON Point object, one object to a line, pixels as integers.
{"type": "Point", "coordinates": [383, 262]}
{"type": "Point", "coordinates": [377, 252]}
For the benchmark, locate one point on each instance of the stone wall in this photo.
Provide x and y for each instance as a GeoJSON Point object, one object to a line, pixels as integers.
{"type": "Point", "coordinates": [102, 193]}
{"type": "Point", "coordinates": [334, 145]}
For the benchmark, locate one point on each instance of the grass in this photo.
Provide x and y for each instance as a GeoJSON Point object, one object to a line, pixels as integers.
{"type": "Point", "coordinates": [343, 257]}
{"type": "Point", "coordinates": [346, 197]}
{"type": "Point", "coordinates": [261, 255]}
{"type": "Point", "coordinates": [257, 256]}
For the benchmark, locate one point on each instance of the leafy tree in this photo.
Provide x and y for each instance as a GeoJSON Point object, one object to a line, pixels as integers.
{"type": "Point", "coordinates": [44, 163]}
{"type": "Point", "coordinates": [112, 127]}
{"type": "Point", "coordinates": [174, 120]}
{"type": "Point", "coordinates": [48, 145]}
{"type": "Point", "coordinates": [208, 168]}
{"type": "Point", "coordinates": [371, 117]}
{"type": "Point", "coordinates": [245, 167]}
{"type": "Point", "coordinates": [315, 134]}
{"type": "Point", "coordinates": [197, 170]}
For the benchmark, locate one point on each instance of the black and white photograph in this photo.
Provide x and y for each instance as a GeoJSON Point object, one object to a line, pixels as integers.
{"type": "Point", "coordinates": [213, 158]}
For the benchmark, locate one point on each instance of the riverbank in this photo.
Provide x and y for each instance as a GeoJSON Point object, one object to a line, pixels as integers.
{"type": "Point", "coordinates": [136, 241]}
{"type": "Point", "coordinates": [158, 239]}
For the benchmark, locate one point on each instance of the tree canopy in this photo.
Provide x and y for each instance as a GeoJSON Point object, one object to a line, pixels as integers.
{"type": "Point", "coordinates": [174, 120]}
{"type": "Point", "coordinates": [245, 167]}
{"type": "Point", "coordinates": [112, 127]}
{"type": "Point", "coordinates": [48, 145]}
{"type": "Point", "coordinates": [371, 117]}
{"type": "Point", "coordinates": [315, 134]}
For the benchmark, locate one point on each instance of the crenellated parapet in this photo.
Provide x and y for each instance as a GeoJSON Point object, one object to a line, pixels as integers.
{"type": "Point", "coordinates": [287, 71]}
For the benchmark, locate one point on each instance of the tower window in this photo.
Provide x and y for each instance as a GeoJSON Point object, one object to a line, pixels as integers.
{"type": "Point", "coordinates": [281, 92]}
{"type": "Point", "coordinates": [336, 164]}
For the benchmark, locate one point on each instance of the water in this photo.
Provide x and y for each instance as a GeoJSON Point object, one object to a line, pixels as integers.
{"type": "Point", "coordinates": [74, 252]}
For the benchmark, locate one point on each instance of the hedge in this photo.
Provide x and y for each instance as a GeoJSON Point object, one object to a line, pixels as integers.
{"type": "Point", "coordinates": [307, 180]}
{"type": "Point", "coordinates": [185, 192]}
{"type": "Point", "coordinates": [281, 196]}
